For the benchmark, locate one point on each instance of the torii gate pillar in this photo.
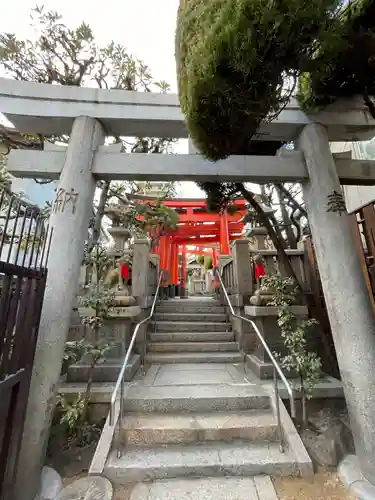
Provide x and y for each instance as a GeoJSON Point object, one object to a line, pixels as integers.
{"type": "Point", "coordinates": [348, 304]}
{"type": "Point", "coordinates": [70, 218]}
{"type": "Point", "coordinates": [224, 234]}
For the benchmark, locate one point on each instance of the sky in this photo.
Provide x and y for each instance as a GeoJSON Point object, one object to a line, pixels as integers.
{"type": "Point", "coordinates": [145, 27]}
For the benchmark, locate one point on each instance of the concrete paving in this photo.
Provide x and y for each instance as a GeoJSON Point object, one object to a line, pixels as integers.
{"type": "Point", "coordinates": [197, 373]}
{"type": "Point", "coordinates": [210, 459]}
{"type": "Point", "coordinates": [226, 488]}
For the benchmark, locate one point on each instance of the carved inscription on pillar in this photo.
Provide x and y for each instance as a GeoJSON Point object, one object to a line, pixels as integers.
{"type": "Point", "coordinates": [336, 203]}
{"type": "Point", "coordinates": [65, 199]}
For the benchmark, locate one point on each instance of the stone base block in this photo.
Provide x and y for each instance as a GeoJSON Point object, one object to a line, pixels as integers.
{"type": "Point", "coordinates": [351, 476]}
{"type": "Point", "coordinates": [262, 370]}
{"type": "Point", "coordinates": [104, 372]}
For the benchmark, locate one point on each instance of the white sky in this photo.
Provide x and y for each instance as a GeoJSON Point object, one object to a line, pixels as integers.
{"type": "Point", "coordinates": [145, 27]}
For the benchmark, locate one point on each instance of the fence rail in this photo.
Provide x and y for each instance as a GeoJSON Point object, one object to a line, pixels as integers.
{"type": "Point", "coordinates": [363, 226]}
{"type": "Point", "coordinates": [24, 247]}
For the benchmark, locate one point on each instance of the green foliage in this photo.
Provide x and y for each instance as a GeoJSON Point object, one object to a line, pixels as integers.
{"type": "Point", "coordinates": [73, 351]}
{"type": "Point", "coordinates": [343, 63]}
{"type": "Point", "coordinates": [306, 365]}
{"type": "Point", "coordinates": [71, 423]}
{"type": "Point", "coordinates": [146, 218]}
{"type": "Point", "coordinates": [237, 64]}
{"type": "Point", "coordinates": [200, 260]}
{"type": "Point", "coordinates": [151, 217]}
{"type": "Point", "coordinates": [208, 262]}
{"type": "Point", "coordinates": [72, 414]}
{"type": "Point", "coordinates": [284, 290]}
{"type": "Point", "coordinates": [71, 56]}
{"type": "Point", "coordinates": [98, 260]}
{"type": "Point", "coordinates": [97, 295]}
{"type": "Point", "coordinates": [100, 299]}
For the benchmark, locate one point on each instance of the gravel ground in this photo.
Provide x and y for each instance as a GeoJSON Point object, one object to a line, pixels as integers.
{"type": "Point", "coordinates": [324, 485]}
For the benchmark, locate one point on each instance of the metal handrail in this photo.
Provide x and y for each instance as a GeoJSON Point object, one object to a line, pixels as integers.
{"type": "Point", "coordinates": [276, 367]}
{"type": "Point", "coordinates": [120, 379]}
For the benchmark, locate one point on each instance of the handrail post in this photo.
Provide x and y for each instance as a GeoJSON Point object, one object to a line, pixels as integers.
{"type": "Point", "coordinates": [277, 404]}
{"type": "Point", "coordinates": [276, 366]}
{"type": "Point", "coordinates": [120, 384]}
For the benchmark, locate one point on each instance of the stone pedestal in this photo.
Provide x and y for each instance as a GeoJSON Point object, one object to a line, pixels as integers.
{"type": "Point", "coordinates": [140, 273]}
{"type": "Point", "coordinates": [265, 318]}
{"type": "Point", "coordinates": [346, 296]}
{"type": "Point", "coordinates": [120, 235]}
{"type": "Point", "coordinates": [117, 330]}
{"type": "Point", "coordinates": [71, 212]}
{"type": "Point", "coordinates": [257, 238]}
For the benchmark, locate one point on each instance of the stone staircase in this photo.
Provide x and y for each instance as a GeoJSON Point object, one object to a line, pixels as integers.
{"type": "Point", "coordinates": [191, 331]}
{"type": "Point", "coordinates": [196, 422]}
{"type": "Point", "coordinates": [191, 431]}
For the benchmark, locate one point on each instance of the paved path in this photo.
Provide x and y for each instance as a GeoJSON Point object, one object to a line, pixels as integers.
{"type": "Point", "coordinates": [226, 488]}
{"type": "Point", "coordinates": [198, 374]}
{"type": "Point", "coordinates": [218, 488]}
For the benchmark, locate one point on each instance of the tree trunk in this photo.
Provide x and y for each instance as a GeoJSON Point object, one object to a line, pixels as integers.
{"type": "Point", "coordinates": [279, 246]}
{"type": "Point", "coordinates": [99, 216]}
{"type": "Point", "coordinates": [86, 399]}
{"type": "Point", "coordinates": [286, 220]}
{"type": "Point", "coordinates": [292, 201]}
{"type": "Point", "coordinates": [304, 407]}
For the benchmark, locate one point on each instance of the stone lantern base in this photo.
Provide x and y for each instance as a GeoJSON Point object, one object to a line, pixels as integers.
{"type": "Point", "coordinates": [265, 318]}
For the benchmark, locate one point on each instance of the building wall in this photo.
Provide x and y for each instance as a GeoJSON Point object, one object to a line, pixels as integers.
{"type": "Point", "coordinates": [357, 196]}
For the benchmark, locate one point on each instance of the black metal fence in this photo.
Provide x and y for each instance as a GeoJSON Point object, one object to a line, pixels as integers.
{"type": "Point", "coordinates": [24, 246]}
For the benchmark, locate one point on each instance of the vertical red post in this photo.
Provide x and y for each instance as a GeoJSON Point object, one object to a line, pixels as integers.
{"type": "Point", "coordinates": [224, 234]}
{"type": "Point", "coordinates": [183, 267]}
{"type": "Point", "coordinates": [214, 257]}
{"type": "Point", "coordinates": [214, 265]}
{"type": "Point", "coordinates": [168, 260]}
{"type": "Point", "coordinates": [164, 249]}
{"type": "Point", "coordinates": [174, 264]}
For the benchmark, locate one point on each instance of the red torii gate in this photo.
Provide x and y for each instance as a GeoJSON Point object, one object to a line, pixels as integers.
{"type": "Point", "coordinates": [211, 233]}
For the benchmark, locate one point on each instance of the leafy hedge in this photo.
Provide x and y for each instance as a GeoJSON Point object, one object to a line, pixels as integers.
{"type": "Point", "coordinates": [238, 62]}
{"type": "Point", "coordinates": [344, 65]}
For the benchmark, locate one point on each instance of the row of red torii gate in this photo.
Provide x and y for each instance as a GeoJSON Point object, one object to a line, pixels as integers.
{"type": "Point", "coordinates": [198, 232]}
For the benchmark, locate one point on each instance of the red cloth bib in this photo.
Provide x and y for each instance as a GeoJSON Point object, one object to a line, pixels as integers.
{"type": "Point", "coordinates": [124, 271]}
{"type": "Point", "coordinates": [259, 271]}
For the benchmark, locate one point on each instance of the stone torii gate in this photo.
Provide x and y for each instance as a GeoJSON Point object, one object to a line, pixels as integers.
{"type": "Point", "coordinates": [88, 116]}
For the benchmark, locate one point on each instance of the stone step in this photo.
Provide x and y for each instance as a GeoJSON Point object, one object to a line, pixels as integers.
{"type": "Point", "coordinates": [208, 488]}
{"type": "Point", "coordinates": [163, 428]}
{"type": "Point", "coordinates": [185, 306]}
{"type": "Point", "coordinates": [191, 316]}
{"type": "Point", "coordinates": [194, 357]}
{"type": "Point", "coordinates": [199, 460]}
{"type": "Point", "coordinates": [193, 347]}
{"type": "Point", "coordinates": [196, 398]}
{"type": "Point", "coordinates": [190, 326]}
{"type": "Point", "coordinates": [103, 372]}
{"type": "Point", "coordinates": [191, 337]}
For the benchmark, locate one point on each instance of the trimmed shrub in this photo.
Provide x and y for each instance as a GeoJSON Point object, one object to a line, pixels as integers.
{"type": "Point", "coordinates": [237, 64]}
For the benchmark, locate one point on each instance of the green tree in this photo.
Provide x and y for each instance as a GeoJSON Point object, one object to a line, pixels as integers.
{"type": "Point", "coordinates": [220, 197]}
{"type": "Point", "coordinates": [298, 360]}
{"type": "Point", "coordinates": [70, 56]}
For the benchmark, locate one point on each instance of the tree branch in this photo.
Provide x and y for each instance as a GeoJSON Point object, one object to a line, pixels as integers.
{"type": "Point", "coordinates": [263, 218]}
